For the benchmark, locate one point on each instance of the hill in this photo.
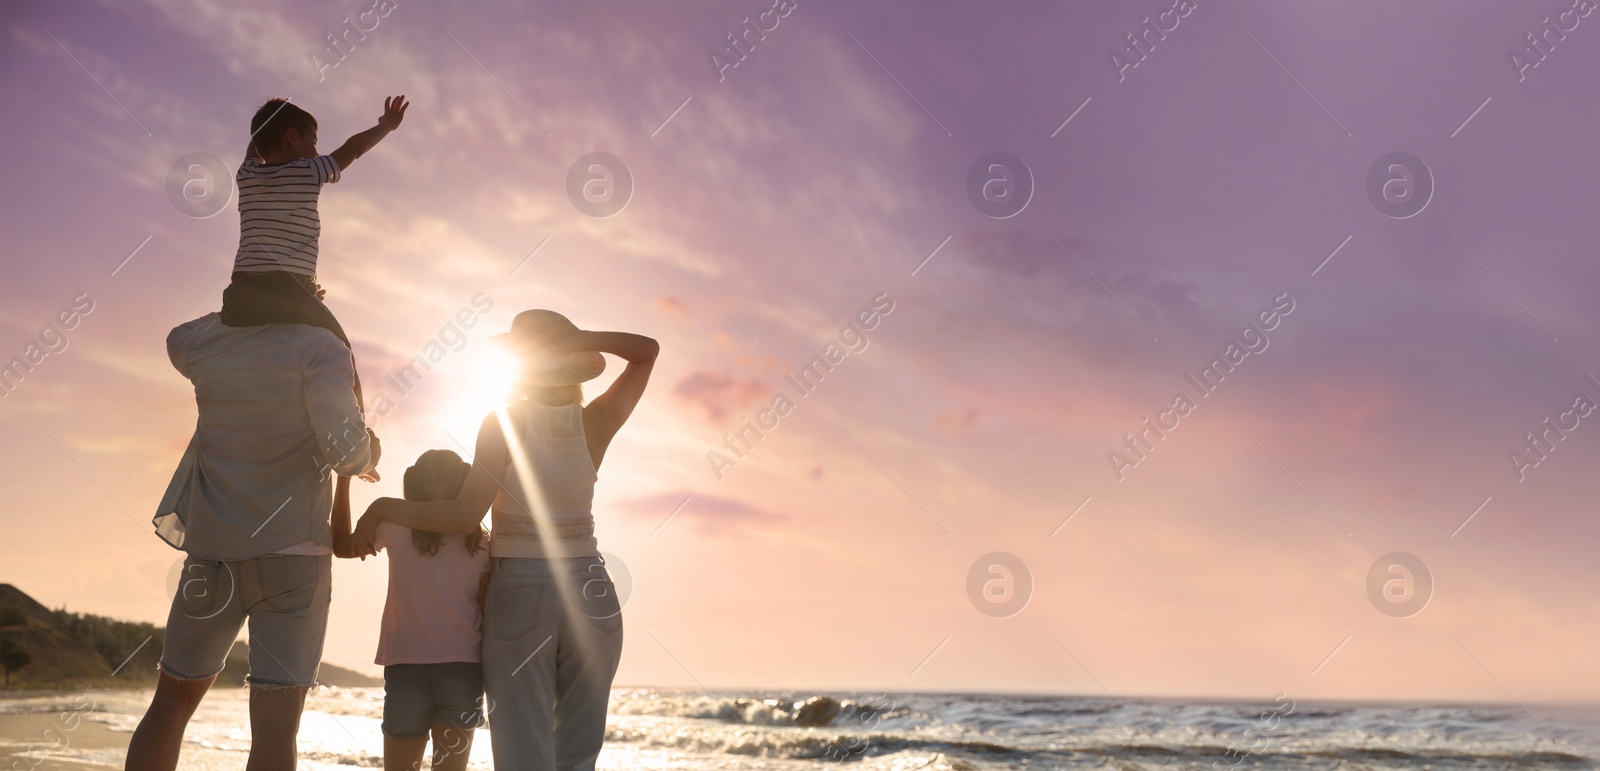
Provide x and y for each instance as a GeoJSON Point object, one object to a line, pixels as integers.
{"type": "Point", "coordinates": [77, 650]}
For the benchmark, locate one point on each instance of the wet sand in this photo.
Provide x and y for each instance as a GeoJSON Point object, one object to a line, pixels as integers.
{"type": "Point", "coordinates": [77, 731]}
{"type": "Point", "coordinates": [37, 740]}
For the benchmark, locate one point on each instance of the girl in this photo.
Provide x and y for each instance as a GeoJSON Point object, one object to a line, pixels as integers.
{"type": "Point", "coordinates": [552, 622]}
{"type": "Point", "coordinates": [430, 638]}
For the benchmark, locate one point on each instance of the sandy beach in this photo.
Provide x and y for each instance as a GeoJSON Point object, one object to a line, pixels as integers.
{"type": "Point", "coordinates": [33, 739]}
{"type": "Point", "coordinates": [76, 730]}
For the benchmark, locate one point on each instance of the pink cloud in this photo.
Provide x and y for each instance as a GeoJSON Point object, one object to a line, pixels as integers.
{"type": "Point", "coordinates": [719, 393]}
{"type": "Point", "coordinates": [957, 421]}
{"type": "Point", "coordinates": [672, 306]}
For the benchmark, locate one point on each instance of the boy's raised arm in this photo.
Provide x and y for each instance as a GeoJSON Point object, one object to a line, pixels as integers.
{"type": "Point", "coordinates": [394, 110]}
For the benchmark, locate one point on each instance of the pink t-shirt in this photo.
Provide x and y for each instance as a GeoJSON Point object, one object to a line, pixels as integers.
{"type": "Point", "coordinates": [432, 614]}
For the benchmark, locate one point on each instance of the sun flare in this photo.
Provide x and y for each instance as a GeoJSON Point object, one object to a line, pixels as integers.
{"type": "Point", "coordinates": [482, 384]}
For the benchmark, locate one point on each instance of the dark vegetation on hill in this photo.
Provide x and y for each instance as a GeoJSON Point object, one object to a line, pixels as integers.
{"type": "Point", "coordinates": [63, 650]}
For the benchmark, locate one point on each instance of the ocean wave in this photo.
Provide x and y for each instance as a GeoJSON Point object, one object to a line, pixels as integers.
{"type": "Point", "coordinates": [789, 743]}
{"type": "Point", "coordinates": [1072, 710]}
{"type": "Point", "coordinates": [1487, 759]}
{"type": "Point", "coordinates": [812, 711]}
{"type": "Point", "coordinates": [900, 750]}
{"type": "Point", "coordinates": [1357, 755]}
{"type": "Point", "coordinates": [786, 731]}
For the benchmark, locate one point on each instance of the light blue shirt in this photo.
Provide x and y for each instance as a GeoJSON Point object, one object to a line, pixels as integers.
{"type": "Point", "coordinates": [277, 411]}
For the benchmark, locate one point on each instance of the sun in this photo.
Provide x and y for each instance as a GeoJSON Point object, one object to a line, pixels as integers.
{"type": "Point", "coordinates": [481, 385]}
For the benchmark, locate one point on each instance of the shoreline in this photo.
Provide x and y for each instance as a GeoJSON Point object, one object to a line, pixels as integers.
{"type": "Point", "coordinates": [19, 694]}
{"type": "Point", "coordinates": [744, 731]}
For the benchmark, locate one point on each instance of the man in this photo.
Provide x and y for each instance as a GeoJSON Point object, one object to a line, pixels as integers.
{"type": "Point", "coordinates": [249, 503]}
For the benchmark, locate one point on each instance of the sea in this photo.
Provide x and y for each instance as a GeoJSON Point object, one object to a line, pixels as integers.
{"type": "Point", "coordinates": [651, 728]}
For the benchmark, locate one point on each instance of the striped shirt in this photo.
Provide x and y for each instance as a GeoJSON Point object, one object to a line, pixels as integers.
{"type": "Point", "coordinates": [278, 225]}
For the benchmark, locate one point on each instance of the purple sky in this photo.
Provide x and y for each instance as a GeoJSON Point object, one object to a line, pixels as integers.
{"type": "Point", "coordinates": [1171, 208]}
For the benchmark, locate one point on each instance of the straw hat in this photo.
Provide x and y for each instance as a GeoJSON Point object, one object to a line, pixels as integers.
{"type": "Point", "coordinates": [544, 365]}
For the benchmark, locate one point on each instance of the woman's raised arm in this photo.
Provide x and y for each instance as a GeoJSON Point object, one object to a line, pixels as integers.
{"type": "Point", "coordinates": [461, 515]}
{"type": "Point", "coordinates": [617, 403]}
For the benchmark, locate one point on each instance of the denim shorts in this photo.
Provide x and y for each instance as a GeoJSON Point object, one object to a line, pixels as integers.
{"type": "Point", "coordinates": [417, 696]}
{"type": "Point", "coordinates": [283, 597]}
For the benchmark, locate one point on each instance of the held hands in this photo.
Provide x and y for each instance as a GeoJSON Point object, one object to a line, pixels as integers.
{"type": "Point", "coordinates": [394, 111]}
{"type": "Point", "coordinates": [366, 532]}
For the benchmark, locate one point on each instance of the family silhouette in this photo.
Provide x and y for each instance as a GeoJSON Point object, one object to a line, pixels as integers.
{"type": "Point", "coordinates": [520, 622]}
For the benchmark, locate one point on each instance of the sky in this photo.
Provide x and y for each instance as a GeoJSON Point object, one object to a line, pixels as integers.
{"type": "Point", "coordinates": [955, 505]}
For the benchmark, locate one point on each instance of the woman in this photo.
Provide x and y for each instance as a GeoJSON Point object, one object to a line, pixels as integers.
{"type": "Point", "coordinates": [552, 628]}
